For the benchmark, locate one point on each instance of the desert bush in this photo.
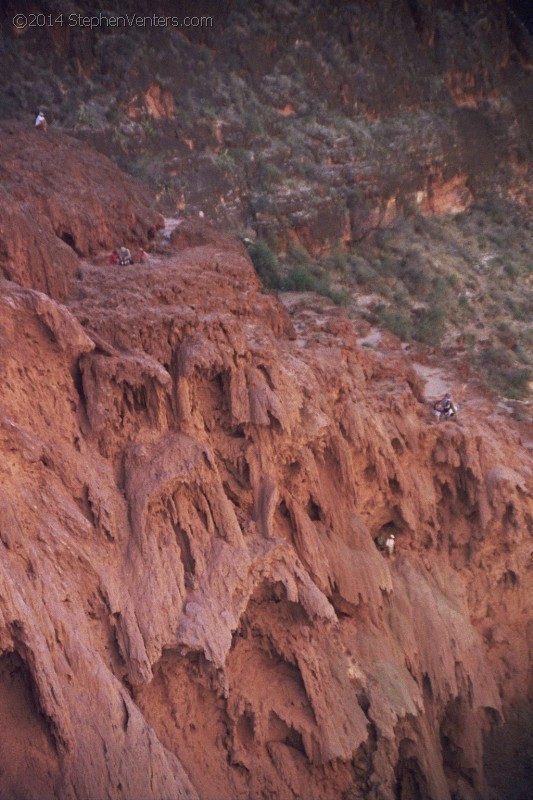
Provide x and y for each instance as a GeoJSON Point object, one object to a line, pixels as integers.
{"type": "Point", "coordinates": [8, 105]}
{"type": "Point", "coordinates": [264, 203]}
{"type": "Point", "coordinates": [401, 298]}
{"type": "Point", "coordinates": [414, 273]}
{"type": "Point", "coordinates": [138, 167]}
{"type": "Point", "coordinates": [511, 269]}
{"type": "Point", "coordinates": [362, 272]}
{"type": "Point", "coordinates": [298, 254]}
{"type": "Point", "coordinates": [354, 197]}
{"type": "Point", "coordinates": [431, 326]}
{"type": "Point", "coordinates": [339, 296]}
{"type": "Point", "coordinates": [502, 373]}
{"type": "Point", "coordinates": [397, 322]}
{"type": "Point", "coordinates": [226, 162]}
{"type": "Point", "coordinates": [339, 260]}
{"type": "Point", "coordinates": [269, 174]}
{"type": "Point", "coordinates": [252, 122]}
{"type": "Point", "coordinates": [384, 265]}
{"type": "Point", "coordinates": [300, 279]}
{"type": "Point", "coordinates": [440, 289]}
{"type": "Point", "coordinates": [265, 264]}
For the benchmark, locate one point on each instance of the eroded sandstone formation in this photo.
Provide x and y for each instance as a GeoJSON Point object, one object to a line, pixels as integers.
{"type": "Point", "coordinates": [191, 601]}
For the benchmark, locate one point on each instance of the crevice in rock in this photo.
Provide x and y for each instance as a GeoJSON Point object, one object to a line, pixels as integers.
{"type": "Point", "coordinates": [314, 511]}
{"type": "Point", "coordinates": [85, 506]}
{"type": "Point", "coordinates": [25, 771]}
{"type": "Point", "coordinates": [68, 238]}
{"type": "Point", "coordinates": [279, 731]}
{"type": "Point", "coordinates": [184, 544]}
{"type": "Point", "coordinates": [77, 378]}
{"type": "Point", "coordinates": [411, 783]}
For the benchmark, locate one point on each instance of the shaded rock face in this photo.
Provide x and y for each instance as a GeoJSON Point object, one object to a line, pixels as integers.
{"type": "Point", "coordinates": [192, 604]}
{"type": "Point", "coordinates": [79, 204]}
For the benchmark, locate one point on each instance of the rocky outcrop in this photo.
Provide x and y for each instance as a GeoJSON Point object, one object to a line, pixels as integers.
{"type": "Point", "coordinates": [193, 604]}
{"type": "Point", "coordinates": [61, 200]}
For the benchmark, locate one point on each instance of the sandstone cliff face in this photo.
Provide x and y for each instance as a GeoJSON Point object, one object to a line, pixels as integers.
{"type": "Point", "coordinates": [191, 603]}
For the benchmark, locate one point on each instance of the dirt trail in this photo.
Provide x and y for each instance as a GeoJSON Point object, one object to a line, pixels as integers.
{"type": "Point", "coordinates": [437, 382]}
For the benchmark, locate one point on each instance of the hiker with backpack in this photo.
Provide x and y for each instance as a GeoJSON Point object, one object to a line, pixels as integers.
{"type": "Point", "coordinates": [445, 408]}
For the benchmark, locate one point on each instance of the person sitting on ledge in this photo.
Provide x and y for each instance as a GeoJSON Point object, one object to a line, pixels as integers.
{"type": "Point", "coordinates": [125, 256]}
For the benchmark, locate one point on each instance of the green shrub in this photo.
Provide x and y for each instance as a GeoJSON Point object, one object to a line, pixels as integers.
{"type": "Point", "coordinates": [264, 203]}
{"type": "Point", "coordinates": [265, 264]}
{"type": "Point", "coordinates": [415, 273]}
{"type": "Point", "coordinates": [431, 326]}
{"type": "Point", "coordinates": [362, 272]}
{"type": "Point", "coordinates": [495, 358]}
{"type": "Point", "coordinates": [339, 296]}
{"type": "Point", "coordinates": [226, 162]}
{"type": "Point", "coordinates": [515, 382]}
{"type": "Point", "coordinates": [503, 375]}
{"type": "Point", "coordinates": [298, 254]}
{"type": "Point", "coordinates": [147, 127]}
{"type": "Point", "coordinates": [401, 298]}
{"type": "Point", "coordinates": [384, 265]}
{"type": "Point", "coordinates": [9, 105]}
{"type": "Point", "coordinates": [139, 167]}
{"type": "Point", "coordinates": [252, 122]}
{"type": "Point", "coordinates": [269, 174]}
{"type": "Point", "coordinates": [354, 197]}
{"type": "Point", "coordinates": [339, 260]}
{"type": "Point", "coordinates": [323, 282]}
{"type": "Point", "coordinates": [512, 270]}
{"type": "Point", "coordinates": [300, 279]}
{"type": "Point", "coordinates": [440, 288]}
{"type": "Point", "coordinates": [397, 322]}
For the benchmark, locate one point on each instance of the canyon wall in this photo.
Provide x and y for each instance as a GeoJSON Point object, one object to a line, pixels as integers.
{"type": "Point", "coordinates": [301, 122]}
{"type": "Point", "coordinates": [192, 604]}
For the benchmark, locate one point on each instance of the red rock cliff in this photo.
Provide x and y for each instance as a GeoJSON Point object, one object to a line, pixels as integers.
{"type": "Point", "coordinates": [191, 601]}
{"type": "Point", "coordinates": [61, 200]}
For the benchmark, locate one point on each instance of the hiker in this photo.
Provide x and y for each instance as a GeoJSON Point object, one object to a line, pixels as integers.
{"type": "Point", "coordinates": [142, 256]}
{"type": "Point", "coordinates": [125, 256]}
{"type": "Point", "coordinates": [389, 545]}
{"type": "Point", "coordinates": [114, 258]}
{"type": "Point", "coordinates": [445, 408]}
{"type": "Point", "coordinates": [41, 122]}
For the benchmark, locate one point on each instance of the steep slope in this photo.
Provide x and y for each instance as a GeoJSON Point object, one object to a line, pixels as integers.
{"type": "Point", "coordinates": [192, 602]}
{"type": "Point", "coordinates": [61, 200]}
